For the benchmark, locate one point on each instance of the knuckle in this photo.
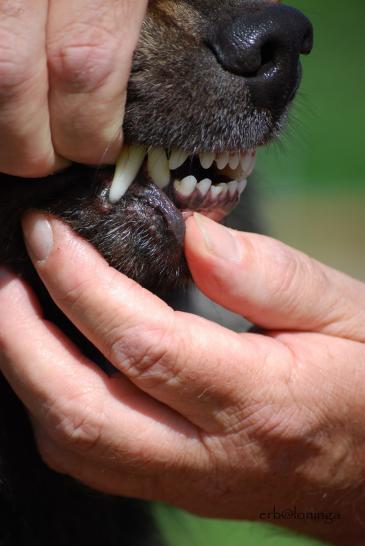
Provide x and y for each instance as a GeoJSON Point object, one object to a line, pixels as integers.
{"type": "Point", "coordinates": [288, 275]}
{"type": "Point", "coordinates": [81, 432]}
{"type": "Point", "coordinates": [76, 296]}
{"type": "Point", "coordinates": [83, 59]}
{"type": "Point", "coordinates": [290, 271]}
{"type": "Point", "coordinates": [147, 354]}
{"type": "Point", "coordinates": [15, 70]}
{"type": "Point", "coordinates": [76, 424]}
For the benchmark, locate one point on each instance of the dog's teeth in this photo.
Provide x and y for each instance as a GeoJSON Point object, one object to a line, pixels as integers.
{"type": "Point", "coordinates": [222, 160]}
{"type": "Point", "coordinates": [158, 167]}
{"type": "Point", "coordinates": [207, 159]}
{"type": "Point", "coordinates": [241, 186]}
{"type": "Point", "coordinates": [224, 187]}
{"type": "Point", "coordinates": [234, 161]}
{"type": "Point", "coordinates": [126, 170]}
{"type": "Point", "coordinates": [232, 187]}
{"type": "Point", "coordinates": [248, 160]}
{"type": "Point", "coordinates": [186, 186]}
{"type": "Point", "coordinates": [215, 191]}
{"type": "Point", "coordinates": [204, 186]}
{"type": "Point", "coordinates": [177, 158]}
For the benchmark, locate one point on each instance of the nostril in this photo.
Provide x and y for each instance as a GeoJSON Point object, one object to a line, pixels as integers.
{"type": "Point", "coordinates": [251, 42]}
{"type": "Point", "coordinates": [268, 54]}
{"type": "Point", "coordinates": [307, 44]}
{"type": "Point", "coordinates": [244, 63]}
{"type": "Point", "coordinates": [247, 62]}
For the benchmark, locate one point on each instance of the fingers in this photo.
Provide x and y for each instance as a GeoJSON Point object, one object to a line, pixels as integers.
{"type": "Point", "coordinates": [180, 360]}
{"type": "Point", "coordinates": [80, 410]}
{"type": "Point", "coordinates": [273, 285]}
{"type": "Point", "coordinates": [64, 68]}
{"type": "Point", "coordinates": [34, 353]}
{"type": "Point", "coordinates": [26, 145]}
{"type": "Point", "coordinates": [90, 48]}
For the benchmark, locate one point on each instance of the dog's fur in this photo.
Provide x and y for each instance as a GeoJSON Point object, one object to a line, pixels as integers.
{"type": "Point", "coordinates": [178, 96]}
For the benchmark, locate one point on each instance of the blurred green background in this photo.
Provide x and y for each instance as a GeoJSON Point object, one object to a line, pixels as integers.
{"type": "Point", "coordinates": [312, 182]}
{"type": "Point", "coordinates": [312, 196]}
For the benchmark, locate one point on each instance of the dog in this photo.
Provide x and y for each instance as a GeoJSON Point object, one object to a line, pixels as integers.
{"type": "Point", "coordinates": [211, 81]}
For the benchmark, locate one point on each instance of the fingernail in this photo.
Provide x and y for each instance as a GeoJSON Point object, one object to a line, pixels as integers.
{"type": "Point", "coordinates": [218, 239]}
{"type": "Point", "coordinates": [38, 236]}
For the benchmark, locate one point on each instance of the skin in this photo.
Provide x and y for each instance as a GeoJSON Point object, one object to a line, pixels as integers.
{"type": "Point", "coordinates": [250, 421]}
{"type": "Point", "coordinates": [64, 68]}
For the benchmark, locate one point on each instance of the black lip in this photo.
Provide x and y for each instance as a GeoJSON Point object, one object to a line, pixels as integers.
{"type": "Point", "coordinates": [158, 200]}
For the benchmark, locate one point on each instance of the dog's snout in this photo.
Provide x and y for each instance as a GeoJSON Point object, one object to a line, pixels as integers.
{"type": "Point", "coordinates": [263, 45]}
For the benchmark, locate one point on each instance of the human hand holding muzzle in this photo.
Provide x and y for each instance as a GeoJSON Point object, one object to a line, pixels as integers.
{"type": "Point", "coordinates": [218, 423]}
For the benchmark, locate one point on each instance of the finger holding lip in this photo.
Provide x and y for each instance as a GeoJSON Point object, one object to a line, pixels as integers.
{"type": "Point", "coordinates": [90, 44]}
{"type": "Point", "coordinates": [274, 286]}
{"type": "Point", "coordinates": [177, 358]}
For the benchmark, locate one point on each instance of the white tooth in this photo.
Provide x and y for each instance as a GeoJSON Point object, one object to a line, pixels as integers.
{"type": "Point", "coordinates": [222, 160]}
{"type": "Point", "coordinates": [186, 186]}
{"type": "Point", "coordinates": [224, 187]}
{"type": "Point", "coordinates": [177, 158]}
{"type": "Point", "coordinates": [158, 167]}
{"type": "Point", "coordinates": [248, 160]}
{"type": "Point", "coordinates": [215, 191]}
{"type": "Point", "coordinates": [242, 186]}
{"type": "Point", "coordinates": [126, 170]}
{"type": "Point", "coordinates": [204, 186]}
{"type": "Point", "coordinates": [234, 161]}
{"type": "Point", "coordinates": [232, 187]}
{"type": "Point", "coordinates": [207, 159]}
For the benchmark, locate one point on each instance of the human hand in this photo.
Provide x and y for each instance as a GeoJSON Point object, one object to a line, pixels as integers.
{"type": "Point", "coordinates": [219, 423]}
{"type": "Point", "coordinates": [64, 68]}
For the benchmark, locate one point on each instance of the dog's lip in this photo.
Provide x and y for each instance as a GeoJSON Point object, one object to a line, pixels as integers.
{"type": "Point", "coordinates": [157, 200]}
{"type": "Point", "coordinates": [209, 182]}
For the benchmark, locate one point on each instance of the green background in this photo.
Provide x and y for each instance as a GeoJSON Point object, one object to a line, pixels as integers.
{"type": "Point", "coordinates": [311, 189]}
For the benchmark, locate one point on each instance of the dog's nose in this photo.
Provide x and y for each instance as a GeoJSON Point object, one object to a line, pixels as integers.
{"type": "Point", "coordinates": [263, 44]}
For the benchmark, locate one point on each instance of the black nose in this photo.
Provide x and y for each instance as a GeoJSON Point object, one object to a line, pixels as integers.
{"type": "Point", "coordinates": [262, 43]}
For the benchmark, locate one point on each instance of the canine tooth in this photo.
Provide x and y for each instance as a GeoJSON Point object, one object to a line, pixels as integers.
{"type": "Point", "coordinates": [242, 186]}
{"type": "Point", "coordinates": [204, 186]}
{"type": "Point", "coordinates": [158, 167]}
{"type": "Point", "coordinates": [177, 158]}
{"type": "Point", "coordinates": [215, 191]}
{"type": "Point", "coordinates": [126, 170]}
{"type": "Point", "coordinates": [234, 161]}
{"type": "Point", "coordinates": [207, 159]}
{"type": "Point", "coordinates": [232, 187]}
{"type": "Point", "coordinates": [186, 186]}
{"type": "Point", "coordinates": [222, 160]}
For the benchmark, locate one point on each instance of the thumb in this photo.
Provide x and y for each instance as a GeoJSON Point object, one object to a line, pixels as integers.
{"type": "Point", "coordinates": [271, 284]}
